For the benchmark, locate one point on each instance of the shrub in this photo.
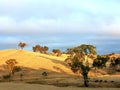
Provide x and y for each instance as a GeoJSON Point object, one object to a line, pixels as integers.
{"type": "Point", "coordinates": [57, 51]}
{"type": "Point", "coordinates": [100, 80]}
{"type": "Point", "coordinates": [44, 74]}
{"type": "Point", "coordinates": [8, 76]}
{"type": "Point", "coordinates": [10, 65]}
{"type": "Point", "coordinates": [105, 81]}
{"type": "Point", "coordinates": [96, 80]}
{"type": "Point", "coordinates": [112, 81]}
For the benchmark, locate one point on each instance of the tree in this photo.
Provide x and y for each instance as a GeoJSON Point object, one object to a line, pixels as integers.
{"type": "Point", "coordinates": [45, 49]}
{"type": "Point", "coordinates": [80, 63]}
{"type": "Point", "coordinates": [21, 77]}
{"type": "Point", "coordinates": [22, 45]}
{"type": "Point", "coordinates": [11, 65]}
{"type": "Point", "coordinates": [37, 48]}
{"type": "Point", "coordinates": [117, 63]}
{"type": "Point", "coordinates": [40, 49]}
{"type": "Point", "coordinates": [57, 52]}
{"type": "Point", "coordinates": [100, 62]}
{"type": "Point", "coordinates": [70, 51]}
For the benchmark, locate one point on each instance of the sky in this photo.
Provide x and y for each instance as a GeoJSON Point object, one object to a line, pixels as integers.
{"type": "Point", "coordinates": [60, 24]}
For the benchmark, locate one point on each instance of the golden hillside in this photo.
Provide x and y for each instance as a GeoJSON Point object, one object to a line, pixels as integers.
{"type": "Point", "coordinates": [35, 60]}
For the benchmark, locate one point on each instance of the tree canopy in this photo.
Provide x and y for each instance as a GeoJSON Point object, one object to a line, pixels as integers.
{"type": "Point", "coordinates": [80, 54]}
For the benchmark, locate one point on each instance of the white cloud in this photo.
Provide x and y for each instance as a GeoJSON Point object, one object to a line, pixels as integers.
{"type": "Point", "coordinates": [27, 17]}
{"type": "Point", "coordinates": [35, 26]}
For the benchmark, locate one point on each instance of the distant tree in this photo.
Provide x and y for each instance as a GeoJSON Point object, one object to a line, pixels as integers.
{"type": "Point", "coordinates": [45, 49]}
{"type": "Point", "coordinates": [117, 61]}
{"type": "Point", "coordinates": [77, 60]}
{"type": "Point", "coordinates": [11, 65]}
{"type": "Point", "coordinates": [40, 49]}
{"type": "Point", "coordinates": [37, 48]}
{"type": "Point", "coordinates": [115, 65]}
{"type": "Point", "coordinates": [57, 52]}
{"type": "Point", "coordinates": [22, 45]}
{"type": "Point", "coordinates": [34, 49]}
{"type": "Point", "coordinates": [100, 62]}
{"type": "Point", "coordinates": [70, 51]}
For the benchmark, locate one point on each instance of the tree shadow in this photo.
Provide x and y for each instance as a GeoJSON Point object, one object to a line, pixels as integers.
{"type": "Point", "coordinates": [59, 69]}
{"type": "Point", "coordinates": [56, 61]}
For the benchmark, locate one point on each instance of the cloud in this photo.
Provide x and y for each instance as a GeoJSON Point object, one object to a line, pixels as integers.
{"type": "Point", "coordinates": [26, 17]}
{"type": "Point", "coordinates": [36, 26]}
{"type": "Point", "coordinates": [55, 22]}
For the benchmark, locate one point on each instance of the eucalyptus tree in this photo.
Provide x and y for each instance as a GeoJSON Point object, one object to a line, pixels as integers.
{"type": "Point", "coordinates": [11, 65]}
{"type": "Point", "coordinates": [57, 52]}
{"type": "Point", "coordinates": [22, 45]}
{"type": "Point", "coordinates": [79, 62]}
{"type": "Point", "coordinates": [45, 49]}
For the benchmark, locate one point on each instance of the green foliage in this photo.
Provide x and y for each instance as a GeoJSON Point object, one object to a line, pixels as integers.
{"type": "Point", "coordinates": [85, 70]}
{"type": "Point", "coordinates": [114, 65]}
{"type": "Point", "coordinates": [76, 65]}
{"type": "Point", "coordinates": [117, 61]}
{"type": "Point", "coordinates": [87, 49]}
{"type": "Point", "coordinates": [100, 62]}
{"type": "Point", "coordinates": [44, 74]}
{"type": "Point", "coordinates": [77, 60]}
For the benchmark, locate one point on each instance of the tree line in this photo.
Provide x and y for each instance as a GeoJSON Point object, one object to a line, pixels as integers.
{"type": "Point", "coordinates": [41, 49]}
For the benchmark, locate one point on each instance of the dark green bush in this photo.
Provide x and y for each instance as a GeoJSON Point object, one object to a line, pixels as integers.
{"type": "Point", "coordinates": [44, 74]}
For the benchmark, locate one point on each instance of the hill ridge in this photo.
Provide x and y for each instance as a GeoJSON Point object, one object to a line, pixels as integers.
{"type": "Point", "coordinates": [35, 60]}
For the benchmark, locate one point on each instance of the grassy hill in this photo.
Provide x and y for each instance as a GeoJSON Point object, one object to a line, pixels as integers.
{"type": "Point", "coordinates": [59, 74]}
{"type": "Point", "coordinates": [35, 60]}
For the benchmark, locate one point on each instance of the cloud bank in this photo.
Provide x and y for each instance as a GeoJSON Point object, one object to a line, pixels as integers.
{"type": "Point", "coordinates": [61, 16]}
{"type": "Point", "coordinates": [54, 22]}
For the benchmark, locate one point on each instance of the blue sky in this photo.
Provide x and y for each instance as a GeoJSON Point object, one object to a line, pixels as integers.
{"type": "Point", "coordinates": [61, 23]}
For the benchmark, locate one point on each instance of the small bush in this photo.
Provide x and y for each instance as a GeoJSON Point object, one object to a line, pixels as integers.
{"type": "Point", "coordinates": [105, 81]}
{"type": "Point", "coordinates": [112, 81]}
{"type": "Point", "coordinates": [100, 80]}
{"type": "Point", "coordinates": [44, 74]}
{"type": "Point", "coordinates": [96, 80]}
{"type": "Point", "coordinates": [6, 76]}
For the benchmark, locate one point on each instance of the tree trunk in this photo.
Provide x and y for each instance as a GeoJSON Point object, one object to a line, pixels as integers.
{"type": "Point", "coordinates": [86, 82]}
{"type": "Point", "coordinates": [21, 77]}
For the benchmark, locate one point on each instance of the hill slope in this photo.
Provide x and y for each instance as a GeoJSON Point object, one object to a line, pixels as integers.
{"type": "Point", "coordinates": [35, 60]}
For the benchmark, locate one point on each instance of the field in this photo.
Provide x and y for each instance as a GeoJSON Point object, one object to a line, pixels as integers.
{"type": "Point", "coordinates": [59, 75]}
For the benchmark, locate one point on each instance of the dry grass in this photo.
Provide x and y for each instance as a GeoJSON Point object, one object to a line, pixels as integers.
{"type": "Point", "coordinates": [59, 74]}
{"type": "Point", "coordinates": [35, 60]}
{"type": "Point", "coordinates": [14, 86]}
